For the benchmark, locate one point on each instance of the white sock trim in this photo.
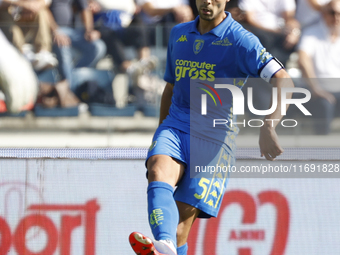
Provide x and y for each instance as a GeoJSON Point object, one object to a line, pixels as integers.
{"type": "Point", "coordinates": [170, 245]}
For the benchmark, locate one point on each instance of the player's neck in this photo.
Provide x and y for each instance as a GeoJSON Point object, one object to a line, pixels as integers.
{"type": "Point", "coordinates": [204, 26]}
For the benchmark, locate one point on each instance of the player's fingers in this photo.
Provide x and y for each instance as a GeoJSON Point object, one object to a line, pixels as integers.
{"type": "Point", "coordinates": [264, 153]}
{"type": "Point", "coordinates": [267, 156]}
{"type": "Point", "coordinates": [272, 156]}
{"type": "Point", "coordinates": [278, 150]}
{"type": "Point", "coordinates": [273, 153]}
{"type": "Point", "coordinates": [275, 150]}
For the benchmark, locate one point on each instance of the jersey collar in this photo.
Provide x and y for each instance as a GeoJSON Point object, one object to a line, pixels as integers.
{"type": "Point", "coordinates": [219, 30]}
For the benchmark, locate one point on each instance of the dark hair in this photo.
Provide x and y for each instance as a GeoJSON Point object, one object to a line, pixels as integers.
{"type": "Point", "coordinates": [231, 4]}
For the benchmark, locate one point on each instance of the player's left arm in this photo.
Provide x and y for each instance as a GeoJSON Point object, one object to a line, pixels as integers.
{"type": "Point", "coordinates": [269, 143]}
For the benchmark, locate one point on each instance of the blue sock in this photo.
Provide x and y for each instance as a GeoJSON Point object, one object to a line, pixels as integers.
{"type": "Point", "coordinates": [163, 212]}
{"type": "Point", "coordinates": [182, 250]}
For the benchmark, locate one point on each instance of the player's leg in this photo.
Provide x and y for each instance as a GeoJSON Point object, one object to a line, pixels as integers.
{"type": "Point", "coordinates": [163, 174]}
{"type": "Point", "coordinates": [200, 195]}
{"type": "Point", "coordinates": [187, 216]}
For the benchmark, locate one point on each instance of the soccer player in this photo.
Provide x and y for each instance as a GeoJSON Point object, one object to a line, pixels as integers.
{"type": "Point", "coordinates": [210, 47]}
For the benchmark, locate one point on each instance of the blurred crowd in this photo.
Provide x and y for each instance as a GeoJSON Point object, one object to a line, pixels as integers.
{"type": "Point", "coordinates": [50, 50]}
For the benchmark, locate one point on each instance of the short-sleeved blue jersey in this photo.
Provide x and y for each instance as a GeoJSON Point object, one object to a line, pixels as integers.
{"type": "Point", "coordinates": [227, 51]}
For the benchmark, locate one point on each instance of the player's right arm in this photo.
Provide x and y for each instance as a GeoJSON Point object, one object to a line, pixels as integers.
{"type": "Point", "coordinates": [166, 101]}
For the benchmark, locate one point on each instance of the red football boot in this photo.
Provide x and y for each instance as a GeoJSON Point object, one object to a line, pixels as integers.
{"type": "Point", "coordinates": [143, 245]}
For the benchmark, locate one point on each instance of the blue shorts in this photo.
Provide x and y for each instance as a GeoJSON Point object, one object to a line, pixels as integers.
{"type": "Point", "coordinates": [201, 190]}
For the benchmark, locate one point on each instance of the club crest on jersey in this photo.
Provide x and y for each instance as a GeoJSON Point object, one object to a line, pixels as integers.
{"type": "Point", "coordinates": [198, 46]}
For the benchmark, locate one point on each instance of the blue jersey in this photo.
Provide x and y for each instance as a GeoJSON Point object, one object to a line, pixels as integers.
{"type": "Point", "coordinates": [226, 52]}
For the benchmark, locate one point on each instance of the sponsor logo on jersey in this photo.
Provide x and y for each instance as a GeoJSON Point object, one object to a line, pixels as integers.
{"type": "Point", "coordinates": [194, 70]}
{"type": "Point", "coordinates": [183, 38]}
{"type": "Point", "coordinates": [153, 145]}
{"type": "Point", "coordinates": [198, 46]}
{"type": "Point", "coordinates": [224, 42]}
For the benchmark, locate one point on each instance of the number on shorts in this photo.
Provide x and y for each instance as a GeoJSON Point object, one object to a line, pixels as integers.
{"type": "Point", "coordinates": [202, 183]}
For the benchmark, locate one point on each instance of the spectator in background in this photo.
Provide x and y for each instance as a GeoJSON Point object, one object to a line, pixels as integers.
{"type": "Point", "coordinates": [319, 52]}
{"type": "Point", "coordinates": [308, 12]}
{"type": "Point", "coordinates": [20, 85]}
{"type": "Point", "coordinates": [163, 12]}
{"type": "Point", "coordinates": [86, 40]}
{"type": "Point", "coordinates": [25, 22]}
{"type": "Point", "coordinates": [176, 11]}
{"type": "Point", "coordinates": [113, 17]}
{"type": "Point", "coordinates": [18, 81]}
{"type": "Point", "coordinates": [150, 14]}
{"type": "Point", "coordinates": [273, 21]}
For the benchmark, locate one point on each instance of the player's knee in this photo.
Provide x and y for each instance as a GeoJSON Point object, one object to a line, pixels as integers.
{"type": "Point", "coordinates": [155, 174]}
{"type": "Point", "coordinates": [162, 175]}
{"type": "Point", "coordinates": [164, 169]}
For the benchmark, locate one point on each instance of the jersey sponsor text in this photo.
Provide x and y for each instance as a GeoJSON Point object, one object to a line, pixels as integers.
{"type": "Point", "coordinates": [194, 70]}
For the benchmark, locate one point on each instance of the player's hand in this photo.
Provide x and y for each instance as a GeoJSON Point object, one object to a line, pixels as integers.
{"type": "Point", "coordinates": [269, 143]}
